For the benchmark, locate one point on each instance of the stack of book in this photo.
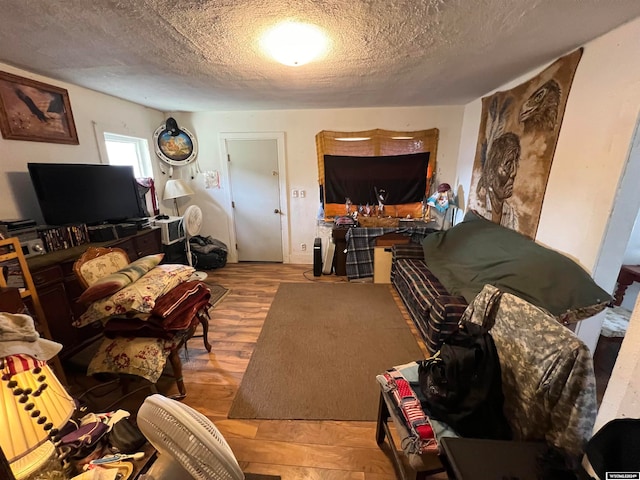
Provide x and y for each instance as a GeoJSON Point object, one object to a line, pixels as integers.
{"type": "Point", "coordinates": [67, 236]}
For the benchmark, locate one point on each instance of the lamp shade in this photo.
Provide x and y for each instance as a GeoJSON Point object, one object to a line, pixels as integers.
{"type": "Point", "coordinates": [33, 403]}
{"type": "Point", "coordinates": [176, 188]}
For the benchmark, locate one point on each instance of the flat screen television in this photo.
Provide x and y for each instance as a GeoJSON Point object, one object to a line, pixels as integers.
{"type": "Point", "coordinates": [85, 193]}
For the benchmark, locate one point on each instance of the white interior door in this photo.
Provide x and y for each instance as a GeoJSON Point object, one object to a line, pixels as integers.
{"type": "Point", "coordinates": [255, 197]}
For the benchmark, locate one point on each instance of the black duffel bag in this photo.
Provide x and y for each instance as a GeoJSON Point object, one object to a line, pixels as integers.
{"type": "Point", "coordinates": [207, 253]}
{"type": "Point", "coordinates": [462, 385]}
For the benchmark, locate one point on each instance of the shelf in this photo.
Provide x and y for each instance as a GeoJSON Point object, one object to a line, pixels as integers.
{"type": "Point", "coordinates": [13, 251]}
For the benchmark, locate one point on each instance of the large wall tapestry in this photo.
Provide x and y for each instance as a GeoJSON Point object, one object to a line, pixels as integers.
{"type": "Point", "coordinates": [518, 133]}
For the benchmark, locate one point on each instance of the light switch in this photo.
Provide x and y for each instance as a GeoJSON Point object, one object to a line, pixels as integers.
{"type": "Point", "coordinates": [294, 193]}
{"type": "Point", "coordinates": [302, 193]}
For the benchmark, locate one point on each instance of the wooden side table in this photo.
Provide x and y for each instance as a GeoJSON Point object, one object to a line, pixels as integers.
{"type": "Point", "coordinates": [10, 301]}
{"type": "Point", "coordinates": [382, 255]}
{"type": "Point", "coordinates": [628, 274]}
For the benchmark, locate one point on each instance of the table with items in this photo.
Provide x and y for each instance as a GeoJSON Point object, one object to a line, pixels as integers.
{"type": "Point", "coordinates": [361, 243]}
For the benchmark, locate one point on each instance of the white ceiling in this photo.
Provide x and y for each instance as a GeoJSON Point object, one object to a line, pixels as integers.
{"type": "Point", "coordinates": [203, 55]}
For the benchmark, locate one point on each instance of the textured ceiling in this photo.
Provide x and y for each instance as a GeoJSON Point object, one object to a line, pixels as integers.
{"type": "Point", "coordinates": [203, 55]}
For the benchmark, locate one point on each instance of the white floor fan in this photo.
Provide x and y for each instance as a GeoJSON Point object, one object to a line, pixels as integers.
{"type": "Point", "coordinates": [189, 445]}
{"type": "Point", "coordinates": [192, 223]}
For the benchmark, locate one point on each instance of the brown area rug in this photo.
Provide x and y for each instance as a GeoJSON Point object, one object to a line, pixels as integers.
{"type": "Point", "coordinates": [321, 346]}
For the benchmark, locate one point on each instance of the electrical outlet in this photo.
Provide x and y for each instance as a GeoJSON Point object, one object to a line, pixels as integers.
{"type": "Point", "coordinates": [303, 247]}
{"type": "Point", "coordinates": [302, 193]}
{"type": "Point", "coordinates": [294, 193]}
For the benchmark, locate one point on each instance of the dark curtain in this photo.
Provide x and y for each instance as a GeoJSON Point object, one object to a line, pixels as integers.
{"type": "Point", "coordinates": [144, 185]}
{"type": "Point", "coordinates": [403, 177]}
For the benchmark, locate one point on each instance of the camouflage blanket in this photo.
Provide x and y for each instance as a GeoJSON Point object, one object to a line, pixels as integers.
{"type": "Point", "coordinates": [547, 371]}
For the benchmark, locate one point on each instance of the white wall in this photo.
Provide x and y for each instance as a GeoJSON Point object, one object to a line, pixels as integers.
{"type": "Point", "coordinates": [17, 197]}
{"type": "Point", "coordinates": [300, 128]}
{"type": "Point", "coordinates": [592, 148]}
{"type": "Point", "coordinates": [632, 253]}
{"type": "Point", "coordinates": [632, 257]}
{"type": "Point", "coordinates": [592, 152]}
{"type": "Point", "coordinates": [624, 382]}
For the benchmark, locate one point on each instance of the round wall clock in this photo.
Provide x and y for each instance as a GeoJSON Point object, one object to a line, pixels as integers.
{"type": "Point", "coordinates": [173, 145]}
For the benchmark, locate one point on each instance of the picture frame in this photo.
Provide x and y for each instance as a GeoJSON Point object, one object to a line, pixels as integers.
{"type": "Point", "coordinates": [175, 148]}
{"type": "Point", "coordinates": [35, 111]}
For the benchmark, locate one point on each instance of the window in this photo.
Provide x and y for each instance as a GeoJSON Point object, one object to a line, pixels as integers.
{"type": "Point", "coordinates": [133, 151]}
{"type": "Point", "coordinates": [376, 167]}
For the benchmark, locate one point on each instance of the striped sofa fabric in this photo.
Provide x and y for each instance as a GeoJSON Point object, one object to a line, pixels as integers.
{"type": "Point", "coordinates": [435, 312]}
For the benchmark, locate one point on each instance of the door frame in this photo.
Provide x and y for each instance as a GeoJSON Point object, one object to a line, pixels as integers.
{"type": "Point", "coordinates": [622, 216]}
{"type": "Point", "coordinates": [279, 137]}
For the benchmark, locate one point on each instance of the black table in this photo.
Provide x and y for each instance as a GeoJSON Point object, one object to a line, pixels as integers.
{"type": "Point", "coordinates": [477, 459]}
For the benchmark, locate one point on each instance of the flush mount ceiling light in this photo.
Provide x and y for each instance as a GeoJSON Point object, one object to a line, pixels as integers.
{"type": "Point", "coordinates": [293, 43]}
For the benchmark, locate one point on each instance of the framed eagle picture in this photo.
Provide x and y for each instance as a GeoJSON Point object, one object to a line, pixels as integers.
{"type": "Point", "coordinates": [35, 111]}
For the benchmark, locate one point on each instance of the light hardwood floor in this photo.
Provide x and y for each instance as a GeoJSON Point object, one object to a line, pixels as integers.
{"type": "Point", "coordinates": [325, 450]}
{"type": "Point", "coordinates": [314, 450]}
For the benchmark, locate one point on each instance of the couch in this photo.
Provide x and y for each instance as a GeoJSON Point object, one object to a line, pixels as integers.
{"type": "Point", "coordinates": [547, 380]}
{"type": "Point", "coordinates": [433, 310]}
{"type": "Point", "coordinates": [438, 278]}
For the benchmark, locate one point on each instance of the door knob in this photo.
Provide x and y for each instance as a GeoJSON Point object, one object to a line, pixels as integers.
{"type": "Point", "coordinates": [277, 211]}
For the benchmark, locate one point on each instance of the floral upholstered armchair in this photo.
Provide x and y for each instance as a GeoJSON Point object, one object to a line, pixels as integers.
{"type": "Point", "coordinates": [123, 293]}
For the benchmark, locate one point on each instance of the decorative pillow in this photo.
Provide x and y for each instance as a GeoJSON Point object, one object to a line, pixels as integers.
{"type": "Point", "coordinates": [145, 357]}
{"type": "Point", "coordinates": [139, 296]}
{"type": "Point", "coordinates": [96, 268]}
{"type": "Point", "coordinates": [478, 252]}
{"type": "Point", "coordinates": [110, 284]}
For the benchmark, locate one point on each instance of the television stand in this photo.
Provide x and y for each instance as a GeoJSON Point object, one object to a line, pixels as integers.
{"type": "Point", "coordinates": [140, 222]}
{"type": "Point", "coordinates": [59, 289]}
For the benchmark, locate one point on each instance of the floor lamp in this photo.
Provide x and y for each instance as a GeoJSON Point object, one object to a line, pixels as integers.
{"type": "Point", "coordinates": [174, 189]}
